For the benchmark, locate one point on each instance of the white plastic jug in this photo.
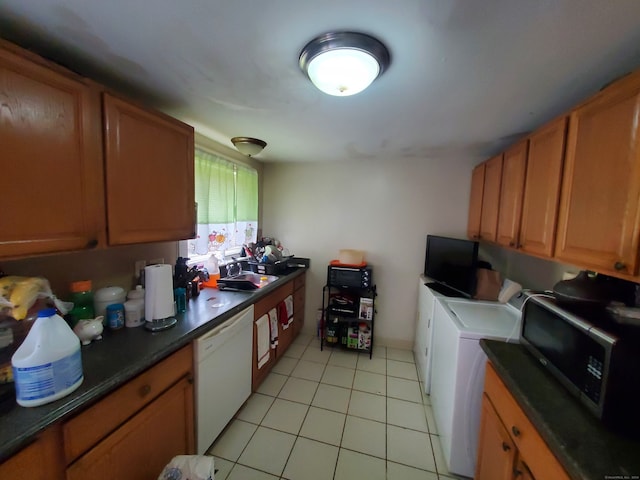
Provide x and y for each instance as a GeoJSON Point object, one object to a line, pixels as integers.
{"type": "Point", "coordinates": [48, 365]}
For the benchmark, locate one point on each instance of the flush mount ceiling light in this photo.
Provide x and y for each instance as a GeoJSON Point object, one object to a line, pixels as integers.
{"type": "Point", "coordinates": [344, 63]}
{"type": "Point", "coordinates": [248, 146]}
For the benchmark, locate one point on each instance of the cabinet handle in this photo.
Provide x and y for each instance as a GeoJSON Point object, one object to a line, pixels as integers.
{"type": "Point", "coordinates": [93, 243]}
{"type": "Point", "coordinates": [144, 390]}
{"type": "Point", "coordinates": [505, 447]}
{"type": "Point", "coordinates": [516, 431]}
{"type": "Point", "coordinates": [512, 244]}
{"type": "Point", "coordinates": [619, 266]}
{"type": "Point", "coordinates": [516, 473]}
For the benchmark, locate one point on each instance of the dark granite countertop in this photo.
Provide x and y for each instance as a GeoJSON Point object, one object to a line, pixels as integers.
{"type": "Point", "coordinates": [123, 354]}
{"type": "Point", "coordinates": [580, 442]}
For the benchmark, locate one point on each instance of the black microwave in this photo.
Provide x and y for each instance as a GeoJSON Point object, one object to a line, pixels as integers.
{"type": "Point", "coordinates": [595, 358]}
{"type": "Point", "coordinates": [352, 277]}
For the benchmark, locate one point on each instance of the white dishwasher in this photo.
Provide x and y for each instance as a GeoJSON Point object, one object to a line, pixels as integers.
{"type": "Point", "coordinates": [223, 375]}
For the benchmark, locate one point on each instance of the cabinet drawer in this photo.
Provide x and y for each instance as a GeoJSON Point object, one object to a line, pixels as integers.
{"type": "Point", "coordinates": [89, 427]}
{"type": "Point", "coordinates": [530, 444]}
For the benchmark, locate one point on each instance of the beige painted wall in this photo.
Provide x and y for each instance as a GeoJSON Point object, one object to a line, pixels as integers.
{"type": "Point", "coordinates": [385, 208]}
{"type": "Point", "coordinates": [112, 266]}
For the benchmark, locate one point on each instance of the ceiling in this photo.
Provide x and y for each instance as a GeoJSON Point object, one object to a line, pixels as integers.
{"type": "Point", "coordinates": [467, 77]}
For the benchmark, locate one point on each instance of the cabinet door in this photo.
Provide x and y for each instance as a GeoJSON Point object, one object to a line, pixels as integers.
{"type": "Point", "coordinates": [496, 452]}
{"type": "Point", "coordinates": [41, 460]}
{"type": "Point", "coordinates": [475, 202]}
{"type": "Point", "coordinates": [298, 309]}
{"type": "Point", "coordinates": [491, 199]}
{"type": "Point", "coordinates": [542, 188]}
{"type": "Point", "coordinates": [599, 223]}
{"type": "Point", "coordinates": [141, 448]}
{"type": "Point", "coordinates": [51, 159]}
{"type": "Point", "coordinates": [522, 472]}
{"type": "Point", "coordinates": [149, 175]}
{"type": "Point", "coordinates": [514, 166]}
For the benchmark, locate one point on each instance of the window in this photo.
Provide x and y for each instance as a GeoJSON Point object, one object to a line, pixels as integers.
{"type": "Point", "coordinates": [227, 198]}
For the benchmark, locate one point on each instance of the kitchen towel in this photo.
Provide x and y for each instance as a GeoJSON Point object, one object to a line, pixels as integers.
{"type": "Point", "coordinates": [262, 327]}
{"type": "Point", "coordinates": [286, 312]}
{"type": "Point", "coordinates": [273, 324]}
{"type": "Point", "coordinates": [158, 293]}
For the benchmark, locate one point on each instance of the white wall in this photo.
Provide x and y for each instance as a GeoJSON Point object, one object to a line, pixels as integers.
{"type": "Point", "coordinates": [384, 208]}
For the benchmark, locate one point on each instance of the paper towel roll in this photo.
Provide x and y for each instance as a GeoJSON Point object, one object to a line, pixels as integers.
{"type": "Point", "coordinates": [158, 293]}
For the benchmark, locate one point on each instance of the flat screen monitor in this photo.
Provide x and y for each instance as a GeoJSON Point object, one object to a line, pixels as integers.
{"type": "Point", "coordinates": [452, 262]}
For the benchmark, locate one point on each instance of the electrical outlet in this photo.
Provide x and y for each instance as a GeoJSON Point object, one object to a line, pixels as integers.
{"type": "Point", "coordinates": [156, 261]}
{"type": "Point", "coordinates": [138, 266]}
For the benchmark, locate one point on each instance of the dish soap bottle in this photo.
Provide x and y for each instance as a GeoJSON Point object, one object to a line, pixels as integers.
{"type": "Point", "coordinates": [47, 366]}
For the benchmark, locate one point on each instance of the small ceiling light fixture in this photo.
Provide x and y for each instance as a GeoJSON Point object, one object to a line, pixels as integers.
{"type": "Point", "coordinates": [248, 146]}
{"type": "Point", "coordinates": [344, 63]}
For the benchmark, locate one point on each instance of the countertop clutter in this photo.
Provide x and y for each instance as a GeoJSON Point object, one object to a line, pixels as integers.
{"type": "Point", "coordinates": [580, 442]}
{"type": "Point", "coordinates": [122, 355]}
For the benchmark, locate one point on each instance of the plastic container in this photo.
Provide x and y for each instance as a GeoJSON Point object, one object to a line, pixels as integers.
{"type": "Point", "coordinates": [105, 297]}
{"type": "Point", "coordinates": [115, 316]}
{"type": "Point", "coordinates": [134, 308]}
{"type": "Point", "coordinates": [48, 365]}
{"type": "Point", "coordinates": [213, 269]}
{"type": "Point", "coordinates": [180, 297]}
{"type": "Point", "coordinates": [82, 298]}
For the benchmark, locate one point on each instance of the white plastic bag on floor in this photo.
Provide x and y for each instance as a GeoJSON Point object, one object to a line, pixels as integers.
{"type": "Point", "coordinates": [188, 467]}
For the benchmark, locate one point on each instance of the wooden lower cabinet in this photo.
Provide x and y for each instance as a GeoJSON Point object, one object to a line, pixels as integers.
{"type": "Point", "coordinates": [496, 453]}
{"type": "Point", "coordinates": [299, 291]}
{"type": "Point", "coordinates": [285, 337]}
{"type": "Point", "coordinates": [510, 447]}
{"type": "Point", "coordinates": [41, 460]}
{"type": "Point", "coordinates": [146, 443]}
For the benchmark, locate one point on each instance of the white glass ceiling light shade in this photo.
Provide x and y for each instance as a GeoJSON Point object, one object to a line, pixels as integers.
{"type": "Point", "coordinates": [248, 146]}
{"type": "Point", "coordinates": [344, 63]}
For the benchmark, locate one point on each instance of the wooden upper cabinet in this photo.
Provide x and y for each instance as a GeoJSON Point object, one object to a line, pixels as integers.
{"type": "Point", "coordinates": [149, 164]}
{"type": "Point", "coordinates": [514, 165]}
{"type": "Point", "coordinates": [599, 214]}
{"type": "Point", "coordinates": [542, 188]}
{"type": "Point", "coordinates": [496, 450]}
{"type": "Point", "coordinates": [491, 199]}
{"type": "Point", "coordinates": [51, 158]}
{"type": "Point", "coordinates": [475, 202]}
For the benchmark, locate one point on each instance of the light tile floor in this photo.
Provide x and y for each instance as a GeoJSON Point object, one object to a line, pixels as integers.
{"type": "Point", "coordinates": [334, 415]}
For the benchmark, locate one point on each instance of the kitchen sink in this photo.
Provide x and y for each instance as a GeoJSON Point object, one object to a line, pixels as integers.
{"type": "Point", "coordinates": [245, 281]}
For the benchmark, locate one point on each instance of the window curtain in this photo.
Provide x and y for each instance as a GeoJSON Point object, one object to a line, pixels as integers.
{"type": "Point", "coordinates": [227, 197]}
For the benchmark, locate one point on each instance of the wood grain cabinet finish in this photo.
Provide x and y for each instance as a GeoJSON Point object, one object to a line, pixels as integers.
{"type": "Point", "coordinates": [50, 137]}
{"type": "Point", "coordinates": [285, 337]}
{"type": "Point", "coordinates": [40, 460]}
{"type": "Point", "coordinates": [599, 223]}
{"type": "Point", "coordinates": [496, 452]}
{"type": "Point", "coordinates": [86, 429]}
{"type": "Point", "coordinates": [475, 202]}
{"type": "Point", "coordinates": [542, 188]}
{"type": "Point", "coordinates": [149, 174]}
{"type": "Point", "coordinates": [531, 448]}
{"type": "Point", "coordinates": [146, 443]}
{"type": "Point", "coordinates": [491, 199]}
{"type": "Point", "coordinates": [299, 291]}
{"type": "Point", "coordinates": [514, 166]}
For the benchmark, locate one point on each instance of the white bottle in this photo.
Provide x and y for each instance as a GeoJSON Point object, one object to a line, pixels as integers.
{"type": "Point", "coordinates": [134, 307]}
{"type": "Point", "coordinates": [47, 366]}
